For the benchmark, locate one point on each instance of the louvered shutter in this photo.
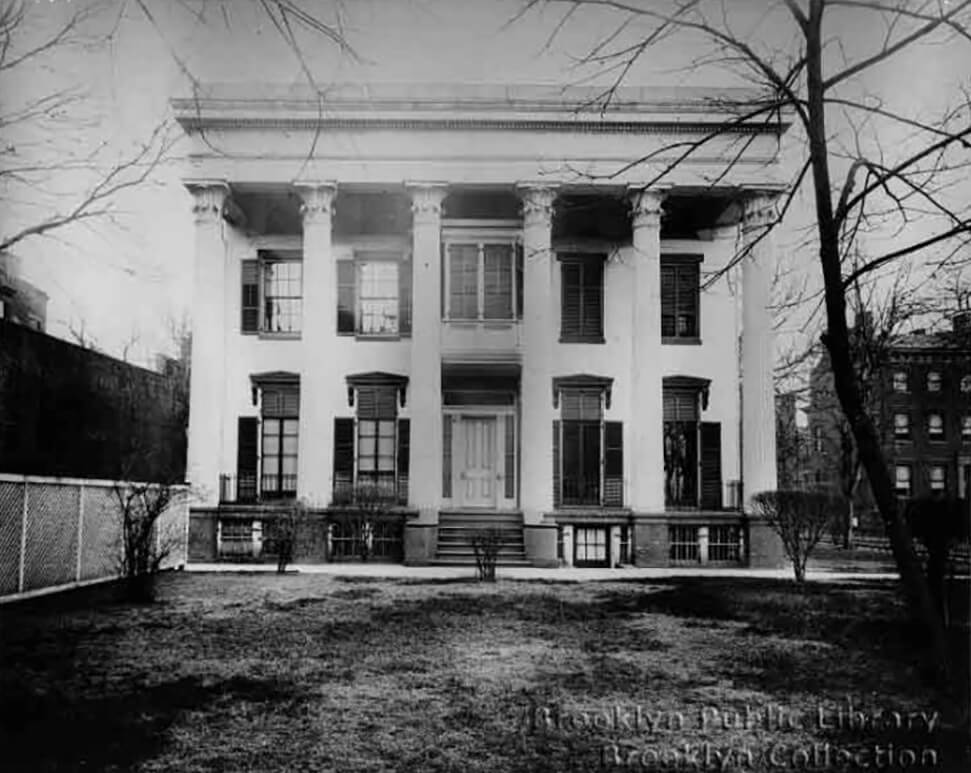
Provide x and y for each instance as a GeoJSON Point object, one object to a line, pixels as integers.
{"type": "Point", "coordinates": [404, 298]}
{"type": "Point", "coordinates": [510, 458]}
{"type": "Point", "coordinates": [687, 299]}
{"type": "Point", "coordinates": [343, 459]}
{"type": "Point", "coordinates": [404, 459]}
{"type": "Point", "coordinates": [711, 465]}
{"type": "Point", "coordinates": [570, 274]}
{"type": "Point", "coordinates": [377, 403]}
{"type": "Point", "coordinates": [592, 299]}
{"type": "Point", "coordinates": [680, 406]}
{"type": "Point", "coordinates": [613, 495]}
{"type": "Point", "coordinates": [447, 456]}
{"type": "Point", "coordinates": [668, 301]}
{"type": "Point", "coordinates": [519, 281]}
{"type": "Point", "coordinates": [250, 300]}
{"type": "Point", "coordinates": [247, 431]}
{"type": "Point", "coordinates": [557, 493]}
{"type": "Point", "coordinates": [346, 295]}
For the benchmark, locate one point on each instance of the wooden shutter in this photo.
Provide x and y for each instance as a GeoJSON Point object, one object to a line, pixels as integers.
{"type": "Point", "coordinates": [592, 299]}
{"type": "Point", "coordinates": [377, 403]}
{"type": "Point", "coordinates": [404, 459]}
{"type": "Point", "coordinates": [281, 402]}
{"type": "Point", "coordinates": [404, 298]}
{"type": "Point", "coordinates": [346, 295]}
{"type": "Point", "coordinates": [687, 298]}
{"type": "Point", "coordinates": [570, 313]}
{"type": "Point", "coordinates": [519, 281]}
{"type": "Point", "coordinates": [447, 456]}
{"type": "Point", "coordinates": [247, 431]}
{"type": "Point", "coordinates": [613, 495]}
{"type": "Point", "coordinates": [680, 406]}
{"type": "Point", "coordinates": [711, 465]}
{"type": "Point", "coordinates": [250, 301]}
{"type": "Point", "coordinates": [668, 301]}
{"type": "Point", "coordinates": [557, 494]}
{"type": "Point", "coordinates": [510, 458]}
{"type": "Point", "coordinates": [343, 459]}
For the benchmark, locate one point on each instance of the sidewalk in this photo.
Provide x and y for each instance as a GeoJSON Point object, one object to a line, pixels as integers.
{"type": "Point", "coordinates": [562, 574]}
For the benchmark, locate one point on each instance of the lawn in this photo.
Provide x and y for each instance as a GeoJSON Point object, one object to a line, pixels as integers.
{"type": "Point", "coordinates": [307, 672]}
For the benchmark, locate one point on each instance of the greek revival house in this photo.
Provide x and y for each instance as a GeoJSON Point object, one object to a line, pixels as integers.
{"type": "Point", "coordinates": [475, 299]}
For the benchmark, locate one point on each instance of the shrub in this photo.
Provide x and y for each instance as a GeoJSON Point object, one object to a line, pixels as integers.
{"type": "Point", "coordinates": [939, 524]}
{"type": "Point", "coordinates": [800, 518]}
{"type": "Point", "coordinates": [361, 506]}
{"type": "Point", "coordinates": [486, 544]}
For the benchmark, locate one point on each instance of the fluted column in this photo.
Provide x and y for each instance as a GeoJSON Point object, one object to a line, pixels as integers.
{"type": "Point", "coordinates": [425, 388]}
{"type": "Point", "coordinates": [758, 394]}
{"type": "Point", "coordinates": [208, 373]}
{"type": "Point", "coordinates": [321, 379]}
{"type": "Point", "coordinates": [539, 339]}
{"type": "Point", "coordinates": [645, 461]}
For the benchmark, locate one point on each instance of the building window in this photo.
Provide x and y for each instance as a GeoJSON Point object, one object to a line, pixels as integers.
{"type": "Point", "coordinates": [900, 384]}
{"type": "Point", "coordinates": [374, 295]}
{"type": "Point", "coordinates": [483, 281]}
{"type": "Point", "coordinates": [280, 414]}
{"type": "Point", "coordinates": [938, 477]}
{"type": "Point", "coordinates": [377, 283]}
{"type": "Point", "coordinates": [902, 480]}
{"type": "Point", "coordinates": [935, 426]}
{"type": "Point", "coordinates": [680, 280]}
{"type": "Point", "coordinates": [588, 451]}
{"type": "Point", "coordinates": [966, 426]}
{"type": "Point", "coordinates": [933, 381]}
{"type": "Point", "coordinates": [901, 425]}
{"type": "Point", "coordinates": [680, 448]}
{"type": "Point", "coordinates": [581, 309]}
{"type": "Point", "coordinates": [272, 293]}
{"type": "Point", "coordinates": [966, 384]}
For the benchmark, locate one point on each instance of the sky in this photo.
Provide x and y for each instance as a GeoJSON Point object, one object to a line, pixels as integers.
{"type": "Point", "coordinates": [124, 280]}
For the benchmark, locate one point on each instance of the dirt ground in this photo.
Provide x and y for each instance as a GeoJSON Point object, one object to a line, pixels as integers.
{"type": "Point", "coordinates": [309, 672]}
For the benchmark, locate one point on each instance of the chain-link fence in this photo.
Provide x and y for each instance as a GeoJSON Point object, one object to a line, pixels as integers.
{"type": "Point", "coordinates": [58, 532]}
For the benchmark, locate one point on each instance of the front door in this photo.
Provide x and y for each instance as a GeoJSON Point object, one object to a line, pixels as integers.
{"type": "Point", "coordinates": [477, 461]}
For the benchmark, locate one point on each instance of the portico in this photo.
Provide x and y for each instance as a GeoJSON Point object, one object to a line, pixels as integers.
{"type": "Point", "coordinates": [546, 317]}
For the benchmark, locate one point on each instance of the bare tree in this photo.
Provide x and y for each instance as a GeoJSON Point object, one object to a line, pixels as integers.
{"type": "Point", "coordinates": [857, 187]}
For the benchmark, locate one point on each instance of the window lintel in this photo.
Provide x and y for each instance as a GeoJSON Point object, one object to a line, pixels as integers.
{"type": "Point", "coordinates": [582, 381]}
{"type": "Point", "coordinates": [376, 378]}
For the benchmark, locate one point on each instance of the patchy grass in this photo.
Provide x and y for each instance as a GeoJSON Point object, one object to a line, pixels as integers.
{"type": "Point", "coordinates": [299, 672]}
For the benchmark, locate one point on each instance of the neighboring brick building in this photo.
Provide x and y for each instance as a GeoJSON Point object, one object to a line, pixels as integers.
{"type": "Point", "coordinates": [922, 405]}
{"type": "Point", "coordinates": [20, 301]}
{"type": "Point", "coordinates": [72, 412]}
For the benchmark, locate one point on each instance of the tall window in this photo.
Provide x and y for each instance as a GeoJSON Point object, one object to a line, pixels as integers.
{"type": "Point", "coordinates": [272, 293]}
{"type": "Point", "coordinates": [280, 409]}
{"type": "Point", "coordinates": [901, 425]}
{"type": "Point", "coordinates": [377, 415]}
{"type": "Point", "coordinates": [680, 448]}
{"type": "Point", "coordinates": [902, 473]}
{"type": "Point", "coordinates": [935, 426]}
{"type": "Point", "coordinates": [374, 295]}
{"type": "Point", "coordinates": [900, 384]}
{"type": "Point", "coordinates": [680, 280]}
{"type": "Point", "coordinates": [966, 426]}
{"type": "Point", "coordinates": [817, 438]}
{"type": "Point", "coordinates": [933, 381]}
{"type": "Point", "coordinates": [483, 281]}
{"type": "Point", "coordinates": [938, 477]}
{"type": "Point", "coordinates": [581, 315]}
{"type": "Point", "coordinates": [377, 283]}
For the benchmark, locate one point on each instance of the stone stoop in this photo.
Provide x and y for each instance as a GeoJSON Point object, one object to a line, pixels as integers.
{"type": "Point", "coordinates": [456, 529]}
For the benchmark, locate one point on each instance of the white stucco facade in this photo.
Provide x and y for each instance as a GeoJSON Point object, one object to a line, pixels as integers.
{"type": "Point", "coordinates": [419, 145]}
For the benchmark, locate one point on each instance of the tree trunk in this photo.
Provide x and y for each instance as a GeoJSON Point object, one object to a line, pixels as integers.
{"type": "Point", "coordinates": [837, 342]}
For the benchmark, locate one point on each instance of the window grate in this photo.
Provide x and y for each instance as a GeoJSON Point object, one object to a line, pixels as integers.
{"type": "Point", "coordinates": [683, 544]}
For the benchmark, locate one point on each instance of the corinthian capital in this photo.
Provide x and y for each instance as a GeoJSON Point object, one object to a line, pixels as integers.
{"type": "Point", "coordinates": [759, 213]}
{"type": "Point", "coordinates": [209, 199]}
{"type": "Point", "coordinates": [317, 201]}
{"type": "Point", "coordinates": [537, 204]}
{"type": "Point", "coordinates": [645, 207]}
{"type": "Point", "coordinates": [426, 201]}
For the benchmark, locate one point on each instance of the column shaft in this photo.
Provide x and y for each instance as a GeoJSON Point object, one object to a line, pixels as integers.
{"type": "Point", "coordinates": [208, 373]}
{"type": "Point", "coordinates": [539, 340]}
{"type": "Point", "coordinates": [425, 391]}
{"type": "Point", "coordinates": [758, 391]}
{"type": "Point", "coordinates": [320, 381]}
{"type": "Point", "coordinates": [645, 460]}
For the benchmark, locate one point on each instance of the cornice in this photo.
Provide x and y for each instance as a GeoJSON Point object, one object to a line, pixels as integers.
{"type": "Point", "coordinates": [199, 120]}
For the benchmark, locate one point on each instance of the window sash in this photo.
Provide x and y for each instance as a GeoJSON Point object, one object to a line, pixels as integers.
{"type": "Point", "coordinates": [377, 297]}
{"type": "Point", "coordinates": [282, 287]}
{"type": "Point", "coordinates": [581, 294]}
{"type": "Point", "coordinates": [480, 281]}
{"type": "Point", "coordinates": [680, 299]}
{"type": "Point", "coordinates": [278, 475]}
{"type": "Point", "coordinates": [582, 461]}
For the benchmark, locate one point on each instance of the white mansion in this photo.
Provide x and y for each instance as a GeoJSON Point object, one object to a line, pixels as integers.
{"type": "Point", "coordinates": [475, 299]}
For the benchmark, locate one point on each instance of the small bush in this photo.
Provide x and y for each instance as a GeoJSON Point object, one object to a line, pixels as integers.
{"type": "Point", "coordinates": [800, 518]}
{"type": "Point", "coordinates": [486, 543]}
